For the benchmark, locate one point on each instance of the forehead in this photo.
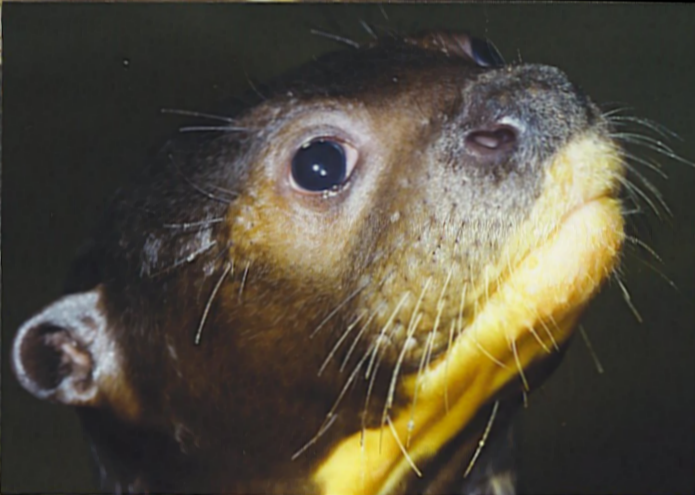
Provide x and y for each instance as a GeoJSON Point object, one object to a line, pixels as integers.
{"type": "Point", "coordinates": [371, 73]}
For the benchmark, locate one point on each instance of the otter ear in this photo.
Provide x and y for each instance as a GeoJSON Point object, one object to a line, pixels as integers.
{"type": "Point", "coordinates": [54, 352]}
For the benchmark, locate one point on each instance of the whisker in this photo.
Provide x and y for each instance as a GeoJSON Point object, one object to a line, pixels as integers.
{"type": "Point", "coordinates": [429, 348]}
{"type": "Point", "coordinates": [440, 301]}
{"type": "Point", "coordinates": [335, 37]}
{"type": "Point", "coordinates": [633, 211]}
{"type": "Point", "coordinates": [337, 308]}
{"type": "Point", "coordinates": [532, 330]}
{"type": "Point", "coordinates": [253, 86]}
{"type": "Point", "coordinates": [614, 113]}
{"type": "Point", "coordinates": [196, 187]}
{"type": "Point", "coordinates": [365, 410]}
{"type": "Point", "coordinates": [411, 423]}
{"type": "Point", "coordinates": [204, 318]}
{"type": "Point", "coordinates": [483, 439]}
{"type": "Point", "coordinates": [446, 365]}
{"type": "Point", "coordinates": [194, 225]}
{"type": "Point", "coordinates": [437, 319]}
{"type": "Point", "coordinates": [383, 12]}
{"type": "Point", "coordinates": [657, 194]}
{"type": "Point", "coordinates": [628, 188]}
{"type": "Point", "coordinates": [188, 259]}
{"type": "Point", "coordinates": [373, 350]}
{"type": "Point", "coordinates": [626, 297]}
{"type": "Point", "coordinates": [412, 325]}
{"type": "Point", "coordinates": [346, 359]}
{"type": "Point", "coordinates": [464, 289]}
{"type": "Point", "coordinates": [660, 129]}
{"type": "Point", "coordinates": [658, 271]}
{"type": "Point", "coordinates": [368, 29]}
{"type": "Point", "coordinates": [477, 343]}
{"type": "Point", "coordinates": [631, 186]}
{"type": "Point", "coordinates": [340, 341]}
{"type": "Point", "coordinates": [213, 128]}
{"type": "Point", "coordinates": [324, 428]}
{"type": "Point", "coordinates": [232, 194]}
{"type": "Point", "coordinates": [645, 246]}
{"type": "Point", "coordinates": [590, 348]}
{"type": "Point", "coordinates": [243, 280]}
{"type": "Point", "coordinates": [487, 285]}
{"type": "Point", "coordinates": [396, 370]}
{"type": "Point", "coordinates": [380, 338]}
{"type": "Point", "coordinates": [554, 325]}
{"type": "Point", "coordinates": [408, 459]}
{"type": "Point", "coordinates": [653, 144]}
{"type": "Point", "coordinates": [644, 140]}
{"type": "Point", "coordinates": [202, 115]}
{"type": "Point", "coordinates": [518, 365]}
{"type": "Point", "coordinates": [653, 166]}
{"type": "Point", "coordinates": [346, 386]}
{"type": "Point", "coordinates": [548, 332]}
{"type": "Point", "coordinates": [530, 327]}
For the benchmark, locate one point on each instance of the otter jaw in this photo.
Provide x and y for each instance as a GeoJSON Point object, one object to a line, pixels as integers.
{"type": "Point", "coordinates": [547, 288]}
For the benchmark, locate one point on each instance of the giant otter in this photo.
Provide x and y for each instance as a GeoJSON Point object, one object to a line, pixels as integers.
{"type": "Point", "coordinates": [342, 287]}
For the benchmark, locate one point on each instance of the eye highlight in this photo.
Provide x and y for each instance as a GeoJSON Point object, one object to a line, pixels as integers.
{"type": "Point", "coordinates": [322, 165]}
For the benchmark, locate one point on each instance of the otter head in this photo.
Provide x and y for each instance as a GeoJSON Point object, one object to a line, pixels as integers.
{"type": "Point", "coordinates": [327, 293]}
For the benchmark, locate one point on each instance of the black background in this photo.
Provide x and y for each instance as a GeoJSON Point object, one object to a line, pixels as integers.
{"type": "Point", "coordinates": [83, 86]}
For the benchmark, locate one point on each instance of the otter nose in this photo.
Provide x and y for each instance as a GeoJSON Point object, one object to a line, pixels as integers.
{"type": "Point", "coordinates": [527, 111]}
{"type": "Point", "coordinates": [492, 141]}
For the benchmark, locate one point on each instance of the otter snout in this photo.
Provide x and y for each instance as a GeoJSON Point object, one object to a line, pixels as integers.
{"type": "Point", "coordinates": [527, 111]}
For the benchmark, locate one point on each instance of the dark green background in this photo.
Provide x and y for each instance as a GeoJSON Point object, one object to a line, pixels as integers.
{"type": "Point", "coordinates": [83, 86]}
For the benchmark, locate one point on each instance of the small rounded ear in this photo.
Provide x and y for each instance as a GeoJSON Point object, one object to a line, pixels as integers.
{"type": "Point", "coordinates": [53, 354]}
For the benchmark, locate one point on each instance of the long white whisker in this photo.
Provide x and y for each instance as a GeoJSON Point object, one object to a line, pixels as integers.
{"type": "Point", "coordinates": [315, 438]}
{"type": "Point", "coordinates": [411, 423]}
{"type": "Point", "coordinates": [590, 348]}
{"type": "Point", "coordinates": [628, 299]}
{"type": "Point", "coordinates": [335, 311]}
{"type": "Point", "coordinates": [483, 439]}
{"type": "Point", "coordinates": [408, 459]}
{"type": "Point", "coordinates": [340, 341]}
{"type": "Point", "coordinates": [208, 305]}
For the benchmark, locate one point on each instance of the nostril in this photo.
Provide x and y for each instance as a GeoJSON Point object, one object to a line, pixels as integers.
{"type": "Point", "coordinates": [495, 139]}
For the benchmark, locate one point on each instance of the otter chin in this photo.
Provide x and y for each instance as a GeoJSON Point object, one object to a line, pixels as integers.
{"type": "Point", "coordinates": [343, 286]}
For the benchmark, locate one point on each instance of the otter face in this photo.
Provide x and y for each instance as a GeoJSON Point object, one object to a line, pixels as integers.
{"type": "Point", "coordinates": [328, 296]}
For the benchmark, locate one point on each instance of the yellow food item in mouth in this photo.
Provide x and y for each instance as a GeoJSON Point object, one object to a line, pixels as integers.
{"type": "Point", "coordinates": [532, 311]}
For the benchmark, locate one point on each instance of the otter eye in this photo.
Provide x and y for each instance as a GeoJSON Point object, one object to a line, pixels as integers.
{"type": "Point", "coordinates": [320, 165]}
{"type": "Point", "coordinates": [485, 54]}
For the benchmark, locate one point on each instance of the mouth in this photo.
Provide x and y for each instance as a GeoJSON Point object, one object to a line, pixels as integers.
{"type": "Point", "coordinates": [531, 313]}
